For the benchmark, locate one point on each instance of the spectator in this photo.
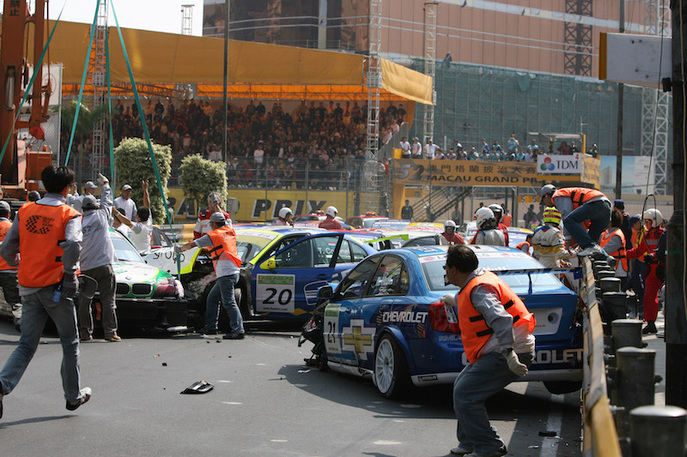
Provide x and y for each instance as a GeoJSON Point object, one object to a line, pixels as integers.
{"type": "Point", "coordinates": [142, 230]}
{"type": "Point", "coordinates": [405, 148]}
{"type": "Point", "coordinates": [416, 148]}
{"type": "Point", "coordinates": [125, 202]}
{"type": "Point", "coordinates": [430, 150]}
{"type": "Point", "coordinates": [407, 211]}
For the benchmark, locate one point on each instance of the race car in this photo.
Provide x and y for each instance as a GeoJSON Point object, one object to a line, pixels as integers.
{"type": "Point", "coordinates": [386, 320]}
{"type": "Point", "coordinates": [282, 269]}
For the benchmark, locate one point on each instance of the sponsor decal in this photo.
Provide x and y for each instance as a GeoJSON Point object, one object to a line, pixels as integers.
{"type": "Point", "coordinates": [413, 317]}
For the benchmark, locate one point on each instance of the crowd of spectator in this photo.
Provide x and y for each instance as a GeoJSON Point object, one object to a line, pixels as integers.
{"type": "Point", "coordinates": [512, 152]}
{"type": "Point", "coordinates": [272, 147]}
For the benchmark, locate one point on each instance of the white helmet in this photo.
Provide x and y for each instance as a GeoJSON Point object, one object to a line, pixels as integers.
{"type": "Point", "coordinates": [450, 223]}
{"type": "Point", "coordinates": [332, 211]}
{"type": "Point", "coordinates": [497, 210]}
{"type": "Point", "coordinates": [485, 218]}
{"type": "Point", "coordinates": [285, 212]}
{"type": "Point", "coordinates": [547, 189]}
{"type": "Point", "coordinates": [655, 215]}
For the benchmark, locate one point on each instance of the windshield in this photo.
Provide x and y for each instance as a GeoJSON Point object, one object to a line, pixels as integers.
{"type": "Point", "coordinates": [250, 243]}
{"type": "Point", "coordinates": [434, 272]}
{"type": "Point", "coordinates": [124, 251]}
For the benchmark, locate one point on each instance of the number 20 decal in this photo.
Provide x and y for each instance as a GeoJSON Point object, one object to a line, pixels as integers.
{"type": "Point", "coordinates": [283, 298]}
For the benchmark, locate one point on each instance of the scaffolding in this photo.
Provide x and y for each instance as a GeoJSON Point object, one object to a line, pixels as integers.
{"type": "Point", "coordinates": [656, 103]}
{"type": "Point", "coordinates": [99, 82]}
{"type": "Point", "coordinates": [578, 47]}
{"type": "Point", "coordinates": [430, 65]}
{"type": "Point", "coordinates": [187, 19]}
{"type": "Point", "coordinates": [370, 186]}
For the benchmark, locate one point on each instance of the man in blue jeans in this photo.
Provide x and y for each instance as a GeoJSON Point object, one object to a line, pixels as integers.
{"type": "Point", "coordinates": [496, 330]}
{"type": "Point", "coordinates": [47, 234]}
{"type": "Point", "coordinates": [221, 244]}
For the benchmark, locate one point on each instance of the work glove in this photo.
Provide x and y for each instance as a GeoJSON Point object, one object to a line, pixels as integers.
{"type": "Point", "coordinates": [70, 284]}
{"type": "Point", "coordinates": [102, 180]}
{"type": "Point", "coordinates": [177, 249]}
{"type": "Point", "coordinates": [449, 299]}
{"type": "Point", "coordinates": [514, 365]}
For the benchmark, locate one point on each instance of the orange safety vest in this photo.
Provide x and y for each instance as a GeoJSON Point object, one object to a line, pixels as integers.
{"type": "Point", "coordinates": [578, 195]}
{"type": "Point", "coordinates": [224, 242]}
{"type": "Point", "coordinates": [474, 330]}
{"type": "Point", "coordinates": [41, 229]}
{"type": "Point", "coordinates": [4, 228]}
{"type": "Point", "coordinates": [620, 254]}
{"type": "Point", "coordinates": [507, 219]}
{"type": "Point", "coordinates": [522, 244]}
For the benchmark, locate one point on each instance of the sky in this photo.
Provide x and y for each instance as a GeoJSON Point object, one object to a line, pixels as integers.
{"type": "Point", "coordinates": [155, 15]}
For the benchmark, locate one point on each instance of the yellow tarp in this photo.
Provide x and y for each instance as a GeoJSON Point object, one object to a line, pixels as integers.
{"type": "Point", "coordinates": [165, 58]}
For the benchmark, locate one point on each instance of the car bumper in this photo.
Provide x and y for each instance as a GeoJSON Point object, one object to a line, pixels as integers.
{"type": "Point", "coordinates": [163, 314]}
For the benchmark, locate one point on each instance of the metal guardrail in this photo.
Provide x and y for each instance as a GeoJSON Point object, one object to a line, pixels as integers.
{"type": "Point", "coordinates": [600, 434]}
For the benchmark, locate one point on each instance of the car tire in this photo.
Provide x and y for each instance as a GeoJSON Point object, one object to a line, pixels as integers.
{"type": "Point", "coordinates": [390, 370]}
{"type": "Point", "coordinates": [562, 387]}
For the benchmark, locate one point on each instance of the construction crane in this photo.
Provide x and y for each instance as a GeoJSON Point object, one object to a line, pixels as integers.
{"type": "Point", "coordinates": [20, 168]}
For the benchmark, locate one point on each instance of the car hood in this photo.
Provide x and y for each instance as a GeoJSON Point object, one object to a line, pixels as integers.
{"type": "Point", "coordinates": [137, 272]}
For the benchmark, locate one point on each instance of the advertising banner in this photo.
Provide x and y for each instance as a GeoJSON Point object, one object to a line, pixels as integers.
{"type": "Point", "coordinates": [465, 173]}
{"type": "Point", "coordinates": [560, 164]}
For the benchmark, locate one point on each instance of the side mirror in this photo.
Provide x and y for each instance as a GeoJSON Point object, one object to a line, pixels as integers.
{"type": "Point", "coordinates": [269, 264]}
{"type": "Point", "coordinates": [324, 293]}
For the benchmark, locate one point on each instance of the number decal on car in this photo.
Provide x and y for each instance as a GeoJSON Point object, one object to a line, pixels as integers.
{"type": "Point", "coordinates": [331, 321]}
{"type": "Point", "coordinates": [275, 293]}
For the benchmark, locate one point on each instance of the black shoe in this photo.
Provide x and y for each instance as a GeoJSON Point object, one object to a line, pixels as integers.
{"type": "Point", "coordinates": [85, 396]}
{"type": "Point", "coordinates": [650, 328]}
{"type": "Point", "coordinates": [204, 331]}
{"type": "Point", "coordinates": [234, 336]}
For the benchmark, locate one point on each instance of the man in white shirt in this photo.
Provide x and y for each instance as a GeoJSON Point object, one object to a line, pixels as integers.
{"type": "Point", "coordinates": [405, 148]}
{"type": "Point", "coordinates": [142, 230]}
{"type": "Point", "coordinates": [125, 202]}
{"type": "Point", "coordinates": [430, 149]}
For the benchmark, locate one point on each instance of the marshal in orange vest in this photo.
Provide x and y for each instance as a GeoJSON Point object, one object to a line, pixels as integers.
{"type": "Point", "coordinates": [224, 242]}
{"type": "Point", "coordinates": [474, 330]}
{"type": "Point", "coordinates": [578, 195]}
{"type": "Point", "coordinates": [620, 254]}
{"type": "Point", "coordinates": [4, 228]}
{"type": "Point", "coordinates": [41, 229]}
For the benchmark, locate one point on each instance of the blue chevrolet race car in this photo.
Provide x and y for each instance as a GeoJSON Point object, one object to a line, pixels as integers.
{"type": "Point", "coordinates": [386, 320]}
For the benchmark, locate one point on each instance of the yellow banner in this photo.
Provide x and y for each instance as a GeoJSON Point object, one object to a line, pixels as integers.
{"type": "Point", "coordinates": [465, 173]}
{"type": "Point", "coordinates": [262, 206]}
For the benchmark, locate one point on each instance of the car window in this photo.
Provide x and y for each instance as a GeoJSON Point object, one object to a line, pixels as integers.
{"type": "Point", "coordinates": [391, 278]}
{"type": "Point", "coordinates": [358, 252]}
{"type": "Point", "coordinates": [422, 241]}
{"type": "Point", "coordinates": [297, 256]}
{"type": "Point", "coordinates": [344, 253]}
{"type": "Point", "coordinates": [282, 243]}
{"type": "Point", "coordinates": [353, 285]}
{"type": "Point", "coordinates": [325, 246]}
{"type": "Point", "coordinates": [160, 239]}
{"type": "Point", "coordinates": [124, 251]}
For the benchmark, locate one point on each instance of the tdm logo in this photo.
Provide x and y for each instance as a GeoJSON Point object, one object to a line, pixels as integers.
{"type": "Point", "coordinates": [550, 164]}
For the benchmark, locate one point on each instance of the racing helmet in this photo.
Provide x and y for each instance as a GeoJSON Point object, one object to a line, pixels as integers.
{"type": "Point", "coordinates": [655, 215]}
{"type": "Point", "coordinates": [450, 224]}
{"type": "Point", "coordinates": [285, 211]}
{"type": "Point", "coordinates": [552, 215]}
{"type": "Point", "coordinates": [332, 211]}
{"type": "Point", "coordinates": [547, 189]}
{"type": "Point", "coordinates": [485, 218]}
{"type": "Point", "coordinates": [497, 210]}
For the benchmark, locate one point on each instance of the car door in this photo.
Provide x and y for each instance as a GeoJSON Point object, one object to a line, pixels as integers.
{"type": "Point", "coordinates": [290, 283]}
{"type": "Point", "coordinates": [342, 311]}
{"type": "Point", "coordinates": [360, 317]}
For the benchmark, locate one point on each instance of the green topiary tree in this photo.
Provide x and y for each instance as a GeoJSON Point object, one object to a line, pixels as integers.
{"type": "Point", "coordinates": [199, 177]}
{"type": "Point", "coordinates": [133, 165]}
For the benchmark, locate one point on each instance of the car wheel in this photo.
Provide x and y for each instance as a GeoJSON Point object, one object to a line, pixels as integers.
{"type": "Point", "coordinates": [562, 387]}
{"type": "Point", "coordinates": [391, 371]}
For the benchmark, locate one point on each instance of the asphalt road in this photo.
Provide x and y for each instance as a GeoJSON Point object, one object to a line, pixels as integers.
{"type": "Point", "coordinates": [265, 403]}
